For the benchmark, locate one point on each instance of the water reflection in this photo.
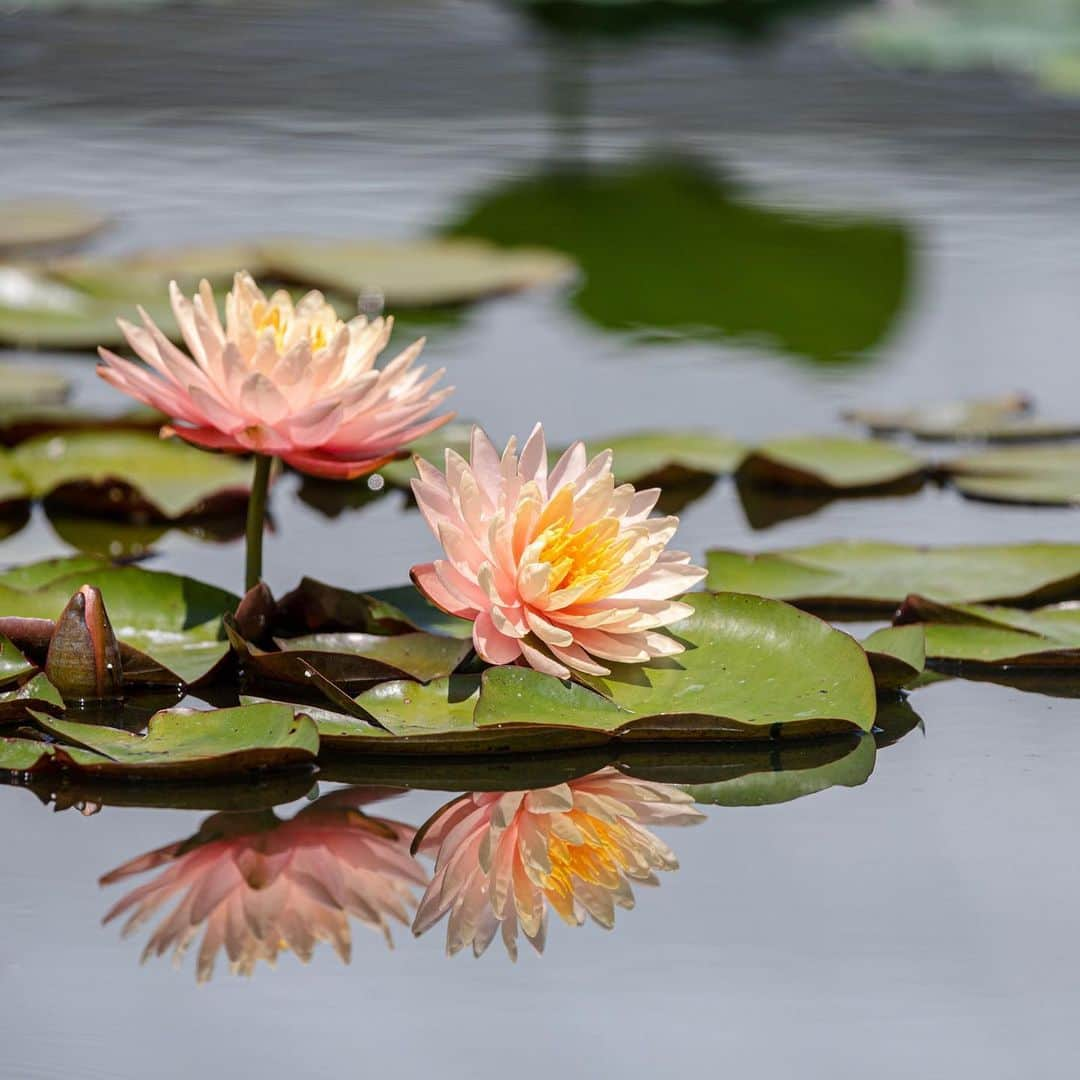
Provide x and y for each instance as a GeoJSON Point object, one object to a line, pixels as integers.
{"type": "Point", "coordinates": [503, 858]}
{"type": "Point", "coordinates": [571, 833]}
{"type": "Point", "coordinates": [261, 885]}
{"type": "Point", "coordinates": [671, 246]}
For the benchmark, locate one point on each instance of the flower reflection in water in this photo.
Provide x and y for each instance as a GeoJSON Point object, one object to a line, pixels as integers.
{"type": "Point", "coordinates": [261, 885]}
{"type": "Point", "coordinates": [502, 857]}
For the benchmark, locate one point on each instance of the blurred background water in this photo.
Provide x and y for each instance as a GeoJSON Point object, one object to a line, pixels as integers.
{"type": "Point", "coordinates": [770, 227]}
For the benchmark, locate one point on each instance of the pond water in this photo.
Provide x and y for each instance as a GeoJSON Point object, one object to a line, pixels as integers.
{"type": "Point", "coordinates": [772, 232]}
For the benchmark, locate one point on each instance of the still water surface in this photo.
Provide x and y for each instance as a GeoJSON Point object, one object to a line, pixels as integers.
{"type": "Point", "coordinates": [771, 234]}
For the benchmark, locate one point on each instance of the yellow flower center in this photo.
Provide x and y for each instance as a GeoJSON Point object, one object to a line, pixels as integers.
{"type": "Point", "coordinates": [276, 318]}
{"type": "Point", "coordinates": [590, 558]}
{"type": "Point", "coordinates": [597, 861]}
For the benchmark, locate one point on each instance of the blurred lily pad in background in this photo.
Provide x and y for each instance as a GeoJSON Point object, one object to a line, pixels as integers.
{"type": "Point", "coordinates": [670, 246]}
{"type": "Point", "coordinates": [1037, 39]}
{"type": "Point", "coordinates": [73, 303]}
{"type": "Point", "coordinates": [32, 226]}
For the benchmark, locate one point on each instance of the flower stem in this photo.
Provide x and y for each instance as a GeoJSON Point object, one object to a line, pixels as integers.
{"type": "Point", "coordinates": [256, 520]}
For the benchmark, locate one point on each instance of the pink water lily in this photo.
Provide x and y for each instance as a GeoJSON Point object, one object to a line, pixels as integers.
{"type": "Point", "coordinates": [502, 858]}
{"type": "Point", "coordinates": [260, 885]}
{"type": "Point", "coordinates": [280, 380]}
{"type": "Point", "coordinates": [558, 568]}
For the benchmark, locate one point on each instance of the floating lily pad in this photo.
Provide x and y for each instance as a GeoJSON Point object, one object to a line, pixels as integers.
{"type": "Point", "coordinates": [169, 626]}
{"type": "Point", "coordinates": [34, 693]}
{"type": "Point", "coordinates": [1002, 419]}
{"type": "Point", "coordinates": [21, 422]}
{"type": "Point", "coordinates": [827, 463]}
{"type": "Point", "coordinates": [791, 777]}
{"type": "Point", "coordinates": [897, 656]}
{"type": "Point", "coordinates": [425, 273]}
{"type": "Point", "coordinates": [14, 491]}
{"type": "Point", "coordinates": [875, 576]}
{"type": "Point", "coordinates": [28, 387]}
{"type": "Point", "coordinates": [753, 668]}
{"type": "Point", "coordinates": [1041, 475]}
{"type": "Point", "coordinates": [345, 658]}
{"type": "Point", "coordinates": [29, 225]}
{"type": "Point", "coordinates": [13, 665]}
{"type": "Point", "coordinates": [669, 456]}
{"type": "Point", "coordinates": [128, 473]}
{"type": "Point", "coordinates": [991, 636]}
{"type": "Point", "coordinates": [183, 743]}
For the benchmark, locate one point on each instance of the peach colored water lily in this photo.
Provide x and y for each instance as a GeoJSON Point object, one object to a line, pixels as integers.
{"type": "Point", "coordinates": [285, 381]}
{"type": "Point", "coordinates": [261, 885]}
{"type": "Point", "coordinates": [503, 857]}
{"type": "Point", "coordinates": [561, 569]}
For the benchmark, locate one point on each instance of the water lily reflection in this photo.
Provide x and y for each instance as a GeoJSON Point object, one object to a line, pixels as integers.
{"type": "Point", "coordinates": [503, 857]}
{"type": "Point", "coordinates": [261, 885]}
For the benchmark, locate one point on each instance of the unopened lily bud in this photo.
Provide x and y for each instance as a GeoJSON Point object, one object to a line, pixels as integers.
{"type": "Point", "coordinates": [83, 662]}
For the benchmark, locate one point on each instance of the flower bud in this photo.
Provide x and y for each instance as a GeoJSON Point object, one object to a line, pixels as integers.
{"type": "Point", "coordinates": [83, 662]}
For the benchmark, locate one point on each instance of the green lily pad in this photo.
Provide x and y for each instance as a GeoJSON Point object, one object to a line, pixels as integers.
{"type": "Point", "coordinates": [873, 576]}
{"type": "Point", "coordinates": [1040, 475]}
{"type": "Point", "coordinates": [669, 456]}
{"type": "Point", "coordinates": [27, 387]}
{"type": "Point", "coordinates": [29, 225]}
{"type": "Point", "coordinates": [1001, 419]}
{"type": "Point", "coordinates": [897, 656]}
{"type": "Point", "coordinates": [21, 422]}
{"type": "Point", "coordinates": [419, 655]}
{"type": "Point", "coordinates": [829, 463]}
{"type": "Point", "coordinates": [425, 273]}
{"type": "Point", "coordinates": [983, 635]}
{"type": "Point", "coordinates": [129, 473]}
{"type": "Point", "coordinates": [34, 693]}
{"type": "Point", "coordinates": [13, 665]}
{"type": "Point", "coordinates": [753, 668]}
{"type": "Point", "coordinates": [14, 490]}
{"type": "Point", "coordinates": [793, 776]}
{"type": "Point", "coordinates": [188, 743]}
{"type": "Point", "coordinates": [170, 626]}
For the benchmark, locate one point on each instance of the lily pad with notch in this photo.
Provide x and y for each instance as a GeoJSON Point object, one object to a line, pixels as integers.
{"type": "Point", "coordinates": [897, 656]}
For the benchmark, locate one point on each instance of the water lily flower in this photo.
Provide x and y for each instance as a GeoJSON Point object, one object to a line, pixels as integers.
{"type": "Point", "coordinates": [560, 569]}
{"type": "Point", "coordinates": [279, 380]}
{"type": "Point", "coordinates": [503, 857]}
{"type": "Point", "coordinates": [261, 885]}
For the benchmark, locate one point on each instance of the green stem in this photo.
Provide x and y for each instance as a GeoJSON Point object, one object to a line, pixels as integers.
{"type": "Point", "coordinates": [256, 520]}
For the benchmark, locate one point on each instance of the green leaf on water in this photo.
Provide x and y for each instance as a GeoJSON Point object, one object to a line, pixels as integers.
{"type": "Point", "coordinates": [830, 463]}
{"type": "Point", "coordinates": [185, 743]}
{"type": "Point", "coordinates": [345, 658]}
{"type": "Point", "coordinates": [984, 635]}
{"type": "Point", "coordinates": [425, 273]}
{"type": "Point", "coordinates": [28, 225]}
{"type": "Point", "coordinates": [875, 576]}
{"type": "Point", "coordinates": [128, 473]}
{"type": "Point", "coordinates": [897, 656]}
{"type": "Point", "coordinates": [1037, 475]}
{"type": "Point", "coordinates": [669, 457]}
{"type": "Point", "coordinates": [753, 668]}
